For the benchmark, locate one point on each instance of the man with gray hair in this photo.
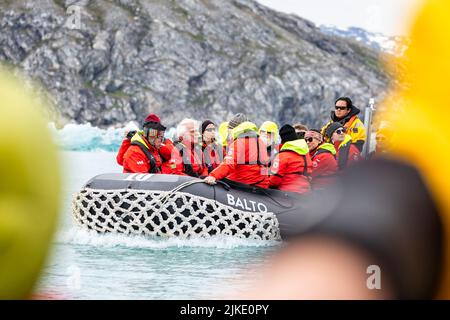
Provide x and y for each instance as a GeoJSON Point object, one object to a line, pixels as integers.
{"type": "Point", "coordinates": [187, 130]}
{"type": "Point", "coordinates": [186, 158]}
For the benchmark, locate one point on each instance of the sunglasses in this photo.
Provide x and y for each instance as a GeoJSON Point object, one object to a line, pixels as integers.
{"type": "Point", "coordinates": [309, 140]}
{"type": "Point", "coordinates": [152, 133]}
{"type": "Point", "coordinates": [340, 108]}
{"type": "Point", "coordinates": [340, 131]}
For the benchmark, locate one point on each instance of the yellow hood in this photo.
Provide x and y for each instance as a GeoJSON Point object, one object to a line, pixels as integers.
{"type": "Point", "coordinates": [299, 146]}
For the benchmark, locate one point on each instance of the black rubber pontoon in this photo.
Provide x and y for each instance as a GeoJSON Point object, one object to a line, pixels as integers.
{"type": "Point", "coordinates": [227, 194]}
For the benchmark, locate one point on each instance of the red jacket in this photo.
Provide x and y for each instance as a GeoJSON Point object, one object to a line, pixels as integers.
{"type": "Point", "coordinates": [245, 161]}
{"type": "Point", "coordinates": [168, 165]}
{"type": "Point", "coordinates": [212, 156]}
{"type": "Point", "coordinates": [185, 160]}
{"type": "Point", "coordinates": [347, 153]}
{"type": "Point", "coordinates": [325, 166]}
{"type": "Point", "coordinates": [123, 148]}
{"type": "Point", "coordinates": [139, 156]}
{"type": "Point", "coordinates": [292, 168]}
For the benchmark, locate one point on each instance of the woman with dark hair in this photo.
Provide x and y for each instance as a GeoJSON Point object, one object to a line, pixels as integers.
{"type": "Point", "coordinates": [212, 152]}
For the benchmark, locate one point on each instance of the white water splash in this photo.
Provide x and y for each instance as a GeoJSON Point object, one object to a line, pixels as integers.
{"type": "Point", "coordinates": [77, 236]}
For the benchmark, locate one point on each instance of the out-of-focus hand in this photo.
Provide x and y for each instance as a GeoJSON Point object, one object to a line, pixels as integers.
{"type": "Point", "coordinates": [210, 180]}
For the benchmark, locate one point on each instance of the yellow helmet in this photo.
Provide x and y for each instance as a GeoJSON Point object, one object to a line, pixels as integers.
{"type": "Point", "coordinates": [270, 127]}
{"type": "Point", "coordinates": [29, 191]}
{"type": "Point", "coordinates": [244, 127]}
{"type": "Point", "coordinates": [223, 133]}
{"type": "Point", "coordinates": [422, 111]}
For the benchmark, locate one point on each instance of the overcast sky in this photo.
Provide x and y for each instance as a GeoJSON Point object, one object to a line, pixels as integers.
{"type": "Point", "coordinates": [390, 17]}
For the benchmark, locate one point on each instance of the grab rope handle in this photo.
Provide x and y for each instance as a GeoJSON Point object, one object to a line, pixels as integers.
{"type": "Point", "coordinates": [166, 196]}
{"type": "Point", "coordinates": [186, 184]}
{"type": "Point", "coordinates": [225, 185]}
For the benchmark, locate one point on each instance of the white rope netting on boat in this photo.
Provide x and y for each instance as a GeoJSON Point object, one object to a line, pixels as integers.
{"type": "Point", "coordinates": [168, 214]}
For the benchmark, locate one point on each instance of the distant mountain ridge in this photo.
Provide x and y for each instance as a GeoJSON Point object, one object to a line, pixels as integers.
{"type": "Point", "coordinates": [395, 45]}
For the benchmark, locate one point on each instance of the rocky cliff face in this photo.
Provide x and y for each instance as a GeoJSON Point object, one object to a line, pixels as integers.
{"type": "Point", "coordinates": [108, 62]}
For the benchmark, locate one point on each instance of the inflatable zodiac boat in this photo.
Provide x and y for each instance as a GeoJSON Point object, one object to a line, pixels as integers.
{"type": "Point", "coordinates": [180, 206]}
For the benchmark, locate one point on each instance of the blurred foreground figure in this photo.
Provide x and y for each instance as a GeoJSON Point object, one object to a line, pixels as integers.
{"type": "Point", "coordinates": [390, 215]}
{"type": "Point", "coordinates": [29, 190]}
{"type": "Point", "coordinates": [378, 216]}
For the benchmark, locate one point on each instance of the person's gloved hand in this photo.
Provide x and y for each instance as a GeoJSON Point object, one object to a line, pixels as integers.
{"type": "Point", "coordinates": [210, 180]}
{"type": "Point", "coordinates": [130, 134]}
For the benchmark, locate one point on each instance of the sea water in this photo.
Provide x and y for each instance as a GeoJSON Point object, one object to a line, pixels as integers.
{"type": "Point", "coordinates": [86, 265]}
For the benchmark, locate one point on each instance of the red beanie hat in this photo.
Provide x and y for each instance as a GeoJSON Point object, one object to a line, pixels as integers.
{"type": "Point", "coordinates": [153, 121]}
{"type": "Point", "coordinates": [152, 118]}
